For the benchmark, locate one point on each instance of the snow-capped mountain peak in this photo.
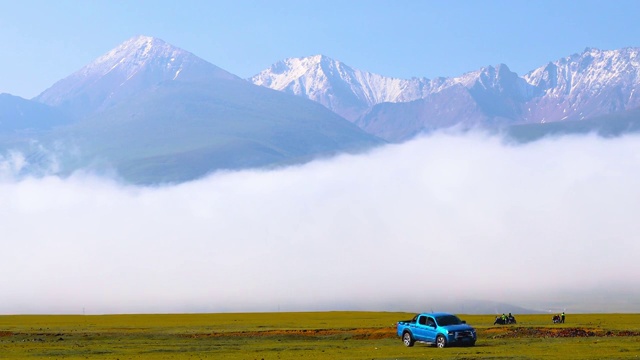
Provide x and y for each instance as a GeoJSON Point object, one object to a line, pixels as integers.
{"type": "Point", "coordinates": [345, 90]}
{"type": "Point", "coordinates": [135, 53]}
{"type": "Point", "coordinates": [591, 83]}
{"type": "Point", "coordinates": [284, 72]}
{"type": "Point", "coordinates": [137, 64]}
{"type": "Point", "coordinates": [593, 68]}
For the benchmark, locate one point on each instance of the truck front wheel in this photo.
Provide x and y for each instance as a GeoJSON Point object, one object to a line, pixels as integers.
{"type": "Point", "coordinates": [407, 339]}
{"type": "Point", "coordinates": [440, 341]}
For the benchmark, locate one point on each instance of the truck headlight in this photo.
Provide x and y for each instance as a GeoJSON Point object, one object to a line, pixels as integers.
{"type": "Point", "coordinates": [451, 333]}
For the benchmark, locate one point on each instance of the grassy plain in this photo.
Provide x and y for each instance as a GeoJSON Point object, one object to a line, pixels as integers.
{"type": "Point", "coordinates": [314, 335]}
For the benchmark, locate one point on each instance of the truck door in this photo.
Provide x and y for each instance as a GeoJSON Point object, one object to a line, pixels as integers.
{"type": "Point", "coordinates": [430, 332]}
{"type": "Point", "coordinates": [419, 332]}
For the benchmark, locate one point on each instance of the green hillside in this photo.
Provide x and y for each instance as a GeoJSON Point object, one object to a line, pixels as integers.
{"type": "Point", "coordinates": [179, 131]}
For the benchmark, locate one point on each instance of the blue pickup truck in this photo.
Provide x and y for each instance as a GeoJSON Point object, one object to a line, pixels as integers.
{"type": "Point", "coordinates": [441, 329]}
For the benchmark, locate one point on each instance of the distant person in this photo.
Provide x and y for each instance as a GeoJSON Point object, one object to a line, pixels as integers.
{"type": "Point", "coordinates": [562, 317]}
{"type": "Point", "coordinates": [504, 318]}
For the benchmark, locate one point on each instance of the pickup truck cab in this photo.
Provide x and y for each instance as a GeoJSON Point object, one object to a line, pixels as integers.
{"type": "Point", "coordinates": [441, 329]}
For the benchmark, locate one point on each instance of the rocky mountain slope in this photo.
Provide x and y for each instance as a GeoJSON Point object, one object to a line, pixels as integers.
{"type": "Point", "coordinates": [344, 90]}
{"type": "Point", "coordinates": [580, 86]}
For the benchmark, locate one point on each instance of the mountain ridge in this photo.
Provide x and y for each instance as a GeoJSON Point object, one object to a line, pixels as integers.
{"type": "Point", "coordinates": [592, 83]}
{"type": "Point", "coordinates": [124, 86]}
{"type": "Point", "coordinates": [339, 87]}
{"type": "Point", "coordinates": [153, 113]}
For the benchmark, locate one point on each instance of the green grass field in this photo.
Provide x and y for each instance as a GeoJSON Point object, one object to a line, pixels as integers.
{"type": "Point", "coordinates": [316, 335]}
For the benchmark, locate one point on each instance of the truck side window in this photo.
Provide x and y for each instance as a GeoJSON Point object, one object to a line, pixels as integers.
{"type": "Point", "coordinates": [431, 322]}
{"type": "Point", "coordinates": [422, 320]}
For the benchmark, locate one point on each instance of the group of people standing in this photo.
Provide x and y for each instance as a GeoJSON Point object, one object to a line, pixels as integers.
{"type": "Point", "coordinates": [558, 319]}
{"type": "Point", "coordinates": [505, 319]}
{"type": "Point", "coordinates": [509, 319]}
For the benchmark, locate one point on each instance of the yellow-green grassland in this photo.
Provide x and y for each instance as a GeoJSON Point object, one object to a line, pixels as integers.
{"type": "Point", "coordinates": [307, 335]}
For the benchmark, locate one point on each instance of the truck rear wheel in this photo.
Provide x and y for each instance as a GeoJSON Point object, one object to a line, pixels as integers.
{"type": "Point", "coordinates": [407, 339]}
{"type": "Point", "coordinates": [440, 341]}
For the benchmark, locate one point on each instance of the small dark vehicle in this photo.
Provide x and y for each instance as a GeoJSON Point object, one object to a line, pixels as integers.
{"type": "Point", "coordinates": [557, 319]}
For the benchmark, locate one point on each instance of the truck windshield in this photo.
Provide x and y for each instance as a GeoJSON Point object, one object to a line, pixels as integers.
{"type": "Point", "coordinates": [448, 320]}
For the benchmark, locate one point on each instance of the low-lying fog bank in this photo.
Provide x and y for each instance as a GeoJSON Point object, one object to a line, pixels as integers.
{"type": "Point", "coordinates": [546, 225]}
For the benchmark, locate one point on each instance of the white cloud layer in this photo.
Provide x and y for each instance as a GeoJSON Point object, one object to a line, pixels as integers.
{"type": "Point", "coordinates": [445, 217]}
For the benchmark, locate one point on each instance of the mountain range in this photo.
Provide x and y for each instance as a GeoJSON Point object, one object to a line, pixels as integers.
{"type": "Point", "coordinates": [153, 113]}
{"type": "Point", "coordinates": [578, 87]}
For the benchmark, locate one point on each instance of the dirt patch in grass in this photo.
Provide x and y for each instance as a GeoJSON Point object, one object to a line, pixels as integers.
{"type": "Point", "coordinates": [518, 332]}
{"type": "Point", "coordinates": [359, 334]}
{"type": "Point", "coordinates": [390, 333]}
{"type": "Point", "coordinates": [374, 334]}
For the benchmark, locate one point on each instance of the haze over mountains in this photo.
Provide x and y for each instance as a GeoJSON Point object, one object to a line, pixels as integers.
{"type": "Point", "coordinates": [153, 113]}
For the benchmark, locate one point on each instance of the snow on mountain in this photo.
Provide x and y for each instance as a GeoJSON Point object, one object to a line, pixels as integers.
{"type": "Point", "coordinates": [490, 96]}
{"type": "Point", "coordinates": [595, 82]}
{"type": "Point", "coordinates": [352, 93]}
{"type": "Point", "coordinates": [580, 86]}
{"type": "Point", "coordinates": [346, 91]}
{"type": "Point", "coordinates": [137, 64]}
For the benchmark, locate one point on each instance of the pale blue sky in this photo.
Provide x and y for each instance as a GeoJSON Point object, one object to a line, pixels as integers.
{"type": "Point", "coordinates": [42, 41]}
